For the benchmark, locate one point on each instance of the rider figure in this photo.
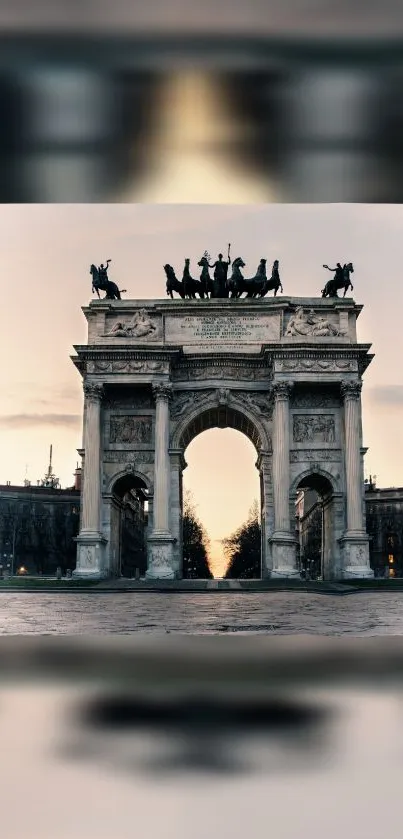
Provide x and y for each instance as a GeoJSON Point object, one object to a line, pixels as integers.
{"type": "Point", "coordinates": [339, 272]}
{"type": "Point", "coordinates": [103, 271]}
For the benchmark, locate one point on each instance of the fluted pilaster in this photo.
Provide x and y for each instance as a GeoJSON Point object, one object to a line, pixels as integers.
{"type": "Point", "coordinates": [351, 392]}
{"type": "Point", "coordinates": [90, 521]}
{"type": "Point", "coordinates": [281, 456]}
{"type": "Point", "coordinates": [355, 541]}
{"type": "Point", "coordinates": [163, 395]}
{"type": "Point", "coordinates": [282, 540]}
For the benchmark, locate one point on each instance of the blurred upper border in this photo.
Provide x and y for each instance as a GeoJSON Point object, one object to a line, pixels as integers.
{"type": "Point", "coordinates": [177, 101]}
{"type": "Point", "coordinates": [344, 19]}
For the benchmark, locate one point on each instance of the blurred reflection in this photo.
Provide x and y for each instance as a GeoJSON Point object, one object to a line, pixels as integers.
{"type": "Point", "coordinates": [200, 735]}
{"type": "Point", "coordinates": [197, 736]}
{"type": "Point", "coordinates": [194, 118]}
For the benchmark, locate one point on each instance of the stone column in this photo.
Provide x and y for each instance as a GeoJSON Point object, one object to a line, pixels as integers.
{"type": "Point", "coordinates": [355, 540]}
{"type": "Point", "coordinates": [178, 464]}
{"type": "Point", "coordinates": [160, 542]}
{"type": "Point", "coordinates": [266, 508]}
{"type": "Point", "coordinates": [90, 541]}
{"type": "Point", "coordinates": [283, 539]}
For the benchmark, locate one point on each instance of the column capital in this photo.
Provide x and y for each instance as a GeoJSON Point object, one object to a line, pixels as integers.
{"type": "Point", "coordinates": [93, 391]}
{"type": "Point", "coordinates": [281, 391]}
{"type": "Point", "coordinates": [163, 391]}
{"type": "Point", "coordinates": [351, 390]}
{"type": "Point", "coordinates": [177, 454]}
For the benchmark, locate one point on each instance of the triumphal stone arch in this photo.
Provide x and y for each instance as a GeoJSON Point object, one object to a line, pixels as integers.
{"type": "Point", "coordinates": [286, 372]}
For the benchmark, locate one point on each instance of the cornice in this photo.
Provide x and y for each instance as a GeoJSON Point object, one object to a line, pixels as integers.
{"type": "Point", "coordinates": [312, 348]}
{"type": "Point", "coordinates": [125, 351]}
{"type": "Point", "coordinates": [262, 304]}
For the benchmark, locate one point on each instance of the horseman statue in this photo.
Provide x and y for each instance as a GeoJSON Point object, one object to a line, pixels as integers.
{"type": "Point", "coordinates": [340, 280]}
{"type": "Point", "coordinates": [100, 281]}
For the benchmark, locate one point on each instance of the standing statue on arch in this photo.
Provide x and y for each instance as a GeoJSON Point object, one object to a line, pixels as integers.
{"type": "Point", "coordinates": [341, 279]}
{"type": "Point", "coordinates": [220, 283]}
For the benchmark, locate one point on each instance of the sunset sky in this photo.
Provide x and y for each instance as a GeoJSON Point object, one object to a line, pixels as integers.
{"type": "Point", "coordinates": [46, 251]}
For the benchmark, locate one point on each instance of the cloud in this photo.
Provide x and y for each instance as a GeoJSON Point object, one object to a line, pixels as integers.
{"type": "Point", "coordinates": [16, 421]}
{"type": "Point", "coordinates": [387, 394]}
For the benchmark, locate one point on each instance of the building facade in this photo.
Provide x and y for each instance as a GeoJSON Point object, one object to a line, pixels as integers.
{"type": "Point", "coordinates": [384, 524]}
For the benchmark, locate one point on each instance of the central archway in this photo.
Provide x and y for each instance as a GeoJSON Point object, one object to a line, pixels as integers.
{"type": "Point", "coordinates": [226, 414]}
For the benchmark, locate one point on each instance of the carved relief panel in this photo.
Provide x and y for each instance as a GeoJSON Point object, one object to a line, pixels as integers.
{"type": "Point", "coordinates": [318, 428]}
{"type": "Point", "coordinates": [130, 429]}
{"type": "Point", "coordinates": [200, 372]}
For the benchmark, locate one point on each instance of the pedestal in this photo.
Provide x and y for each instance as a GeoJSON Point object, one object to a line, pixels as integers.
{"type": "Point", "coordinates": [160, 558]}
{"type": "Point", "coordinates": [90, 557]}
{"type": "Point", "coordinates": [284, 556]}
{"type": "Point", "coordinates": [355, 552]}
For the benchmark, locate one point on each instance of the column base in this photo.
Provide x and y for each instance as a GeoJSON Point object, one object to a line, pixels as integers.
{"type": "Point", "coordinates": [90, 557]}
{"type": "Point", "coordinates": [284, 554]}
{"type": "Point", "coordinates": [161, 564]}
{"type": "Point", "coordinates": [355, 552]}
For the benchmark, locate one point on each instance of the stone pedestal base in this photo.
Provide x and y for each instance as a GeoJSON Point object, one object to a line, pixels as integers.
{"type": "Point", "coordinates": [355, 551]}
{"type": "Point", "coordinates": [284, 553]}
{"type": "Point", "coordinates": [90, 557]}
{"type": "Point", "coordinates": [161, 564]}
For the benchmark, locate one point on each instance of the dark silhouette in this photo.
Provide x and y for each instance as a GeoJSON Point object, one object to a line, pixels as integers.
{"type": "Point", "coordinates": [195, 544]}
{"type": "Point", "coordinates": [257, 286]}
{"type": "Point", "coordinates": [220, 284]}
{"type": "Point", "coordinates": [205, 278]}
{"type": "Point", "coordinates": [243, 549]}
{"type": "Point", "coordinates": [340, 280]}
{"type": "Point", "coordinates": [101, 282]}
{"type": "Point", "coordinates": [191, 287]}
{"type": "Point", "coordinates": [173, 284]}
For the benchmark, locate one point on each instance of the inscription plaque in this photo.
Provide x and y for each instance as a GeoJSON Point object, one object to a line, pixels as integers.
{"type": "Point", "coordinates": [224, 329]}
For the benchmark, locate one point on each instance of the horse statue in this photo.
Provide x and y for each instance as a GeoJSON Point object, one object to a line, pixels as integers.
{"type": "Point", "coordinates": [274, 283]}
{"type": "Point", "coordinates": [191, 287]}
{"type": "Point", "coordinates": [100, 282]}
{"type": "Point", "coordinates": [205, 278]}
{"type": "Point", "coordinates": [257, 286]}
{"type": "Point", "coordinates": [236, 281]}
{"type": "Point", "coordinates": [340, 280]}
{"type": "Point", "coordinates": [173, 284]}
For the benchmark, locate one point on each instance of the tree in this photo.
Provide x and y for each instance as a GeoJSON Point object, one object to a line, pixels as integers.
{"type": "Point", "coordinates": [243, 549]}
{"type": "Point", "coordinates": [195, 543]}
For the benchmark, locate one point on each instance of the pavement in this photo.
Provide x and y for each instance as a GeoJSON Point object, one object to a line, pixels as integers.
{"type": "Point", "coordinates": [122, 584]}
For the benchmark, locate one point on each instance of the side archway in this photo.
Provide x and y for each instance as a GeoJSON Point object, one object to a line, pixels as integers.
{"type": "Point", "coordinates": [128, 496]}
{"type": "Point", "coordinates": [316, 495]}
